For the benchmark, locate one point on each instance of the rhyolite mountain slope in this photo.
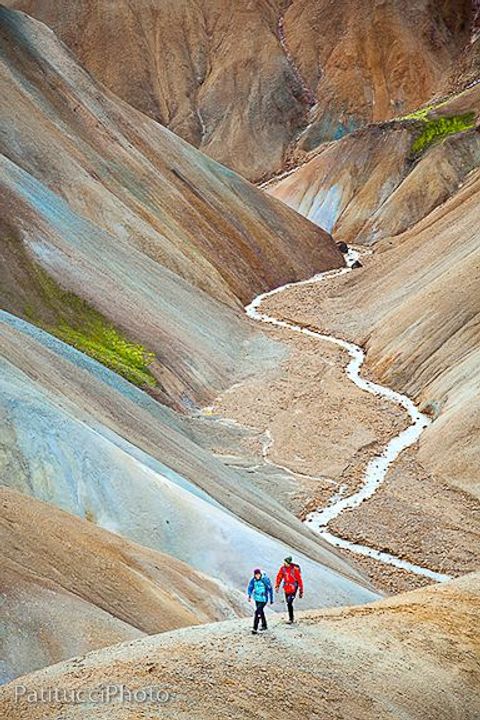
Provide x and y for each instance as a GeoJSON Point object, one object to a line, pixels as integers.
{"type": "Point", "coordinates": [69, 587]}
{"type": "Point", "coordinates": [77, 435]}
{"type": "Point", "coordinates": [121, 240]}
{"type": "Point", "coordinates": [246, 82]}
{"type": "Point", "coordinates": [467, 69]}
{"type": "Point", "coordinates": [413, 656]}
{"type": "Point", "coordinates": [213, 72]}
{"type": "Point", "coordinates": [417, 302]}
{"type": "Point", "coordinates": [373, 61]}
{"type": "Point", "coordinates": [381, 180]}
{"type": "Point", "coordinates": [126, 252]}
{"type": "Point", "coordinates": [125, 241]}
{"type": "Point", "coordinates": [420, 319]}
{"type": "Point", "coordinates": [414, 307]}
{"type": "Point", "coordinates": [81, 438]}
{"type": "Point", "coordinates": [409, 190]}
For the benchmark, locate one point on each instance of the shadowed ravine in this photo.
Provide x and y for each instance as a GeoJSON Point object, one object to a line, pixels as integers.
{"type": "Point", "coordinates": [377, 468]}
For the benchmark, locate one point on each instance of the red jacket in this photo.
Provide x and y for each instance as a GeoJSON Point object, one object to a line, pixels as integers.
{"type": "Point", "coordinates": [291, 577]}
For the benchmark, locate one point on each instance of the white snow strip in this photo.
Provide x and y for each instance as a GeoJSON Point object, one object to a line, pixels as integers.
{"type": "Point", "coordinates": [379, 465]}
{"type": "Point", "coordinates": [203, 128]}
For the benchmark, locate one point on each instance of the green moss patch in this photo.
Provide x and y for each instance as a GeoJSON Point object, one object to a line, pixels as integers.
{"type": "Point", "coordinates": [419, 114]}
{"type": "Point", "coordinates": [71, 319]}
{"type": "Point", "coordinates": [105, 344]}
{"type": "Point", "coordinates": [436, 129]}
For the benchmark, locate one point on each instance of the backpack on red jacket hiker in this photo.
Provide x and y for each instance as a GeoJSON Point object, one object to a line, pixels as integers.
{"type": "Point", "coordinates": [291, 575]}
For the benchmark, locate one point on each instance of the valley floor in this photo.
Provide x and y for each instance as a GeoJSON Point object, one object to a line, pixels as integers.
{"type": "Point", "coordinates": [320, 430]}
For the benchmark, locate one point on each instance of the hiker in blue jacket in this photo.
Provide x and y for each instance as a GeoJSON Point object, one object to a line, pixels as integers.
{"type": "Point", "coordinates": [260, 588]}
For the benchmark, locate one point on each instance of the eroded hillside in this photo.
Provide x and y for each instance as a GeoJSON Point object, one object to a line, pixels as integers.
{"type": "Point", "coordinates": [246, 82]}
{"type": "Point", "coordinates": [126, 257]}
{"type": "Point", "coordinates": [156, 443]}
{"type": "Point", "coordinates": [414, 307]}
{"type": "Point", "coordinates": [125, 241]}
{"type": "Point", "coordinates": [415, 654]}
{"type": "Point", "coordinates": [69, 587]}
{"type": "Point", "coordinates": [381, 180]}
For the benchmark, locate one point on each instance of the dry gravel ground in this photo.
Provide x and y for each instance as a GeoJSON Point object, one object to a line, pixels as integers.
{"type": "Point", "coordinates": [444, 539]}
{"type": "Point", "coordinates": [325, 430]}
{"type": "Point", "coordinates": [415, 657]}
{"type": "Point", "coordinates": [386, 578]}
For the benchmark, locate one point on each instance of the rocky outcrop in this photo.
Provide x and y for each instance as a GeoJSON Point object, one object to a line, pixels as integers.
{"type": "Point", "coordinates": [412, 656]}
{"type": "Point", "coordinates": [238, 80]}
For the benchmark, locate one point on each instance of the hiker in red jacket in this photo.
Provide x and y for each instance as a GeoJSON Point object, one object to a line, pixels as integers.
{"type": "Point", "coordinates": [291, 577]}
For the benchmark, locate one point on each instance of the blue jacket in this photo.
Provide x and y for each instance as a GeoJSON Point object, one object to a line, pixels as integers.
{"type": "Point", "coordinates": [261, 589]}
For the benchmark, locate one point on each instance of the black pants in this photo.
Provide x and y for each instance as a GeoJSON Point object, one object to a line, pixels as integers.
{"type": "Point", "coordinates": [259, 615]}
{"type": "Point", "coordinates": [289, 598]}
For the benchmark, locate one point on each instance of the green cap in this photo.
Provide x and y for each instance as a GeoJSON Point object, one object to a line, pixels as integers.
{"type": "Point", "coordinates": [288, 560]}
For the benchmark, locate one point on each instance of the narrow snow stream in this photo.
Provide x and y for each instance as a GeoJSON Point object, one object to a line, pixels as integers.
{"type": "Point", "coordinates": [378, 466]}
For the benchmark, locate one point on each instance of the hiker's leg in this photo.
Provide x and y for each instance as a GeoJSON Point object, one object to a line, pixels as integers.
{"type": "Point", "coordinates": [262, 615]}
{"type": "Point", "coordinates": [290, 598]}
{"type": "Point", "coordinates": [256, 617]}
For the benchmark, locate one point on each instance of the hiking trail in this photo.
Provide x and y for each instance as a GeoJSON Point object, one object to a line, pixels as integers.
{"type": "Point", "coordinates": [377, 468]}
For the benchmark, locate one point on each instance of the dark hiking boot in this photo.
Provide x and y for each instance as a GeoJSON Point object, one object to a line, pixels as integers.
{"type": "Point", "coordinates": [254, 632]}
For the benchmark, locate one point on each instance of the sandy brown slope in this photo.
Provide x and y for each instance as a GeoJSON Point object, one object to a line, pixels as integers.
{"type": "Point", "coordinates": [417, 307]}
{"type": "Point", "coordinates": [80, 437]}
{"type": "Point", "coordinates": [213, 72]}
{"type": "Point", "coordinates": [374, 184]}
{"type": "Point", "coordinates": [425, 335]}
{"type": "Point", "coordinates": [375, 60]}
{"type": "Point", "coordinates": [415, 656]}
{"type": "Point", "coordinates": [69, 587]}
{"type": "Point", "coordinates": [414, 306]}
{"type": "Point", "coordinates": [238, 79]}
{"type": "Point", "coordinates": [160, 241]}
